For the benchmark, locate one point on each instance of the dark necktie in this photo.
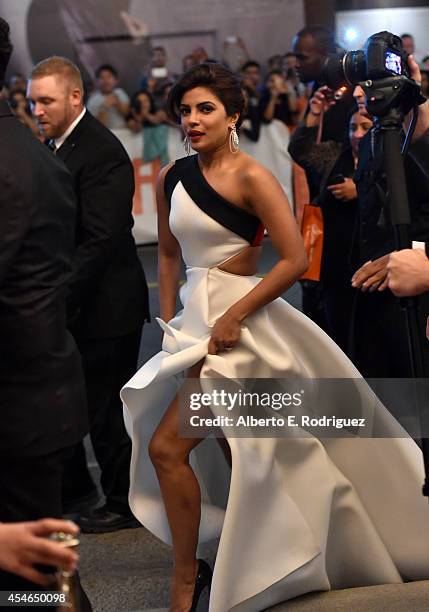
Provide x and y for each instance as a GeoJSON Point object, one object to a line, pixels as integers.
{"type": "Point", "coordinates": [51, 145]}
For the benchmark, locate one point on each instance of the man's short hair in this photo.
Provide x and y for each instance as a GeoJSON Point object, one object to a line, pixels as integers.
{"type": "Point", "coordinates": [57, 65]}
{"type": "Point", "coordinates": [325, 39]}
{"type": "Point", "coordinates": [250, 64]}
{"type": "Point", "coordinates": [5, 49]}
{"type": "Point", "coordinates": [406, 35]}
{"type": "Point", "coordinates": [107, 67]}
{"type": "Point", "coordinates": [158, 48]}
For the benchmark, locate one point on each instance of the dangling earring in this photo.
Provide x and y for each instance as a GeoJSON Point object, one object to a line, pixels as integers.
{"type": "Point", "coordinates": [234, 143]}
{"type": "Point", "coordinates": [186, 145]}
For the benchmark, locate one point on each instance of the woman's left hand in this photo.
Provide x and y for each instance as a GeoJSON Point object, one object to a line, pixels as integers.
{"type": "Point", "coordinates": [345, 191]}
{"type": "Point", "coordinates": [372, 275]}
{"type": "Point", "coordinates": [225, 334]}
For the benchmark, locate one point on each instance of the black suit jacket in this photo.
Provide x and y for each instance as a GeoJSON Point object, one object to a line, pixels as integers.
{"type": "Point", "coordinates": [42, 399]}
{"type": "Point", "coordinates": [108, 294]}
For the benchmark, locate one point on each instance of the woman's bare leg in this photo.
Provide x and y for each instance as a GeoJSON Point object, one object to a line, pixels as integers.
{"type": "Point", "coordinates": [182, 499]}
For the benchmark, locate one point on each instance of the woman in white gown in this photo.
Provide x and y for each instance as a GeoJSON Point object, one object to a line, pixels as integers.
{"type": "Point", "coordinates": [301, 514]}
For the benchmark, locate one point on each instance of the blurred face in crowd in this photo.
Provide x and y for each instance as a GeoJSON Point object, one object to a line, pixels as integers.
{"type": "Point", "coordinates": [275, 82]}
{"type": "Point", "coordinates": [289, 62]}
{"type": "Point", "coordinates": [18, 101]}
{"type": "Point", "coordinates": [359, 126]}
{"type": "Point", "coordinates": [360, 99]}
{"type": "Point", "coordinates": [204, 119]}
{"type": "Point", "coordinates": [107, 82]}
{"type": "Point", "coordinates": [159, 58]}
{"type": "Point", "coordinates": [309, 59]}
{"type": "Point", "coordinates": [251, 76]}
{"type": "Point", "coordinates": [17, 83]}
{"type": "Point", "coordinates": [275, 62]}
{"type": "Point", "coordinates": [187, 62]}
{"type": "Point", "coordinates": [55, 104]}
{"type": "Point", "coordinates": [145, 102]}
{"type": "Point", "coordinates": [408, 44]}
{"type": "Point", "coordinates": [289, 67]}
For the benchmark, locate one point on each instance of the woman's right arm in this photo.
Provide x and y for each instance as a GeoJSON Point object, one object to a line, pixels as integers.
{"type": "Point", "coordinates": [169, 253]}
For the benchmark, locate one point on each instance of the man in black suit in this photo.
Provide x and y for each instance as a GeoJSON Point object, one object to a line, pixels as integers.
{"type": "Point", "coordinates": [42, 396]}
{"type": "Point", "coordinates": [108, 297]}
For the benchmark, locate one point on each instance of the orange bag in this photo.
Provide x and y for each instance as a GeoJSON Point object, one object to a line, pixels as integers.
{"type": "Point", "coordinates": [312, 233]}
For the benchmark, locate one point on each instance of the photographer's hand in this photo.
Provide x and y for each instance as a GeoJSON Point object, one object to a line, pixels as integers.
{"type": "Point", "coordinates": [372, 275]}
{"type": "Point", "coordinates": [408, 272]}
{"type": "Point", "coordinates": [345, 191]}
{"type": "Point", "coordinates": [319, 104]}
{"type": "Point", "coordinates": [25, 545]}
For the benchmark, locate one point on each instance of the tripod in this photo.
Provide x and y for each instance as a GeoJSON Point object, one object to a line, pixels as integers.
{"type": "Point", "coordinates": [389, 100]}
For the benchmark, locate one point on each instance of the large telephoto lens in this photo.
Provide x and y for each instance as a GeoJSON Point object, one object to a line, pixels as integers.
{"type": "Point", "coordinates": [346, 68]}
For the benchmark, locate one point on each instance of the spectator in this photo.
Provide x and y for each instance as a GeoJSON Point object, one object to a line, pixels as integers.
{"type": "Point", "coordinates": [109, 103]}
{"type": "Point", "coordinates": [235, 52]}
{"type": "Point", "coordinates": [335, 163]}
{"type": "Point", "coordinates": [408, 43]}
{"type": "Point", "coordinates": [291, 74]}
{"type": "Point", "coordinates": [200, 55]}
{"type": "Point", "coordinates": [188, 61]}
{"type": "Point", "coordinates": [311, 45]}
{"type": "Point", "coordinates": [251, 78]}
{"type": "Point", "coordinates": [158, 77]}
{"type": "Point", "coordinates": [17, 82]}
{"type": "Point", "coordinates": [425, 62]}
{"type": "Point", "coordinates": [276, 63]}
{"type": "Point", "coordinates": [278, 101]}
{"type": "Point", "coordinates": [21, 109]}
{"type": "Point", "coordinates": [153, 122]}
{"type": "Point", "coordinates": [251, 119]}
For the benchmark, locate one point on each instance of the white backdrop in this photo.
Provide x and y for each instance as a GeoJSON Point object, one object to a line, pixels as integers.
{"type": "Point", "coordinates": [271, 150]}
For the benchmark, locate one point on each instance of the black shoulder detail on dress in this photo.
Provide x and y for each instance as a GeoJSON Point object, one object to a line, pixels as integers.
{"type": "Point", "coordinates": [213, 204]}
{"type": "Point", "coordinates": [173, 176]}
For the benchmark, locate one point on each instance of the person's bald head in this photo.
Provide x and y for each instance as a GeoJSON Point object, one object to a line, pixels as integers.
{"type": "Point", "coordinates": [311, 46]}
{"type": "Point", "coordinates": [55, 91]}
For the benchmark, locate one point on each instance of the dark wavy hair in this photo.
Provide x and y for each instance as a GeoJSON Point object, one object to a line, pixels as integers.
{"type": "Point", "coordinates": [223, 83]}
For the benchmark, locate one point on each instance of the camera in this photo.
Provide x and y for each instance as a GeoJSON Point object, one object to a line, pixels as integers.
{"type": "Point", "coordinates": [383, 57]}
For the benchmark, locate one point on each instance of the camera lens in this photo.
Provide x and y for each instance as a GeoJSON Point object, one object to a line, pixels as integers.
{"type": "Point", "coordinates": [344, 69]}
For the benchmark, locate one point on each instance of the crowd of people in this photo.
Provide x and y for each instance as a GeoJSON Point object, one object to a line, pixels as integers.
{"type": "Point", "coordinates": [273, 91]}
{"type": "Point", "coordinates": [74, 299]}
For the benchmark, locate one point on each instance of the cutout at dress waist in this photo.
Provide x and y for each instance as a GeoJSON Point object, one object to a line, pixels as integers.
{"type": "Point", "coordinates": [231, 257]}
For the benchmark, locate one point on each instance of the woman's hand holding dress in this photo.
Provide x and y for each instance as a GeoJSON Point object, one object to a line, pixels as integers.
{"type": "Point", "coordinates": [225, 334]}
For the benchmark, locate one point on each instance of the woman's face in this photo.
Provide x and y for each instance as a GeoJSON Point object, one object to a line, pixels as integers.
{"type": "Point", "coordinates": [360, 99]}
{"type": "Point", "coordinates": [359, 126]}
{"type": "Point", "coordinates": [204, 119]}
{"type": "Point", "coordinates": [144, 102]}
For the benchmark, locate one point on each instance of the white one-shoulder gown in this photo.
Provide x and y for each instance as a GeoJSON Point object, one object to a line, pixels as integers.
{"type": "Point", "coordinates": [295, 514]}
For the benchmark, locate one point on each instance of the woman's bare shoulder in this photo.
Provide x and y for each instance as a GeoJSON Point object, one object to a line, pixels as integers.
{"type": "Point", "coordinates": [251, 170]}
